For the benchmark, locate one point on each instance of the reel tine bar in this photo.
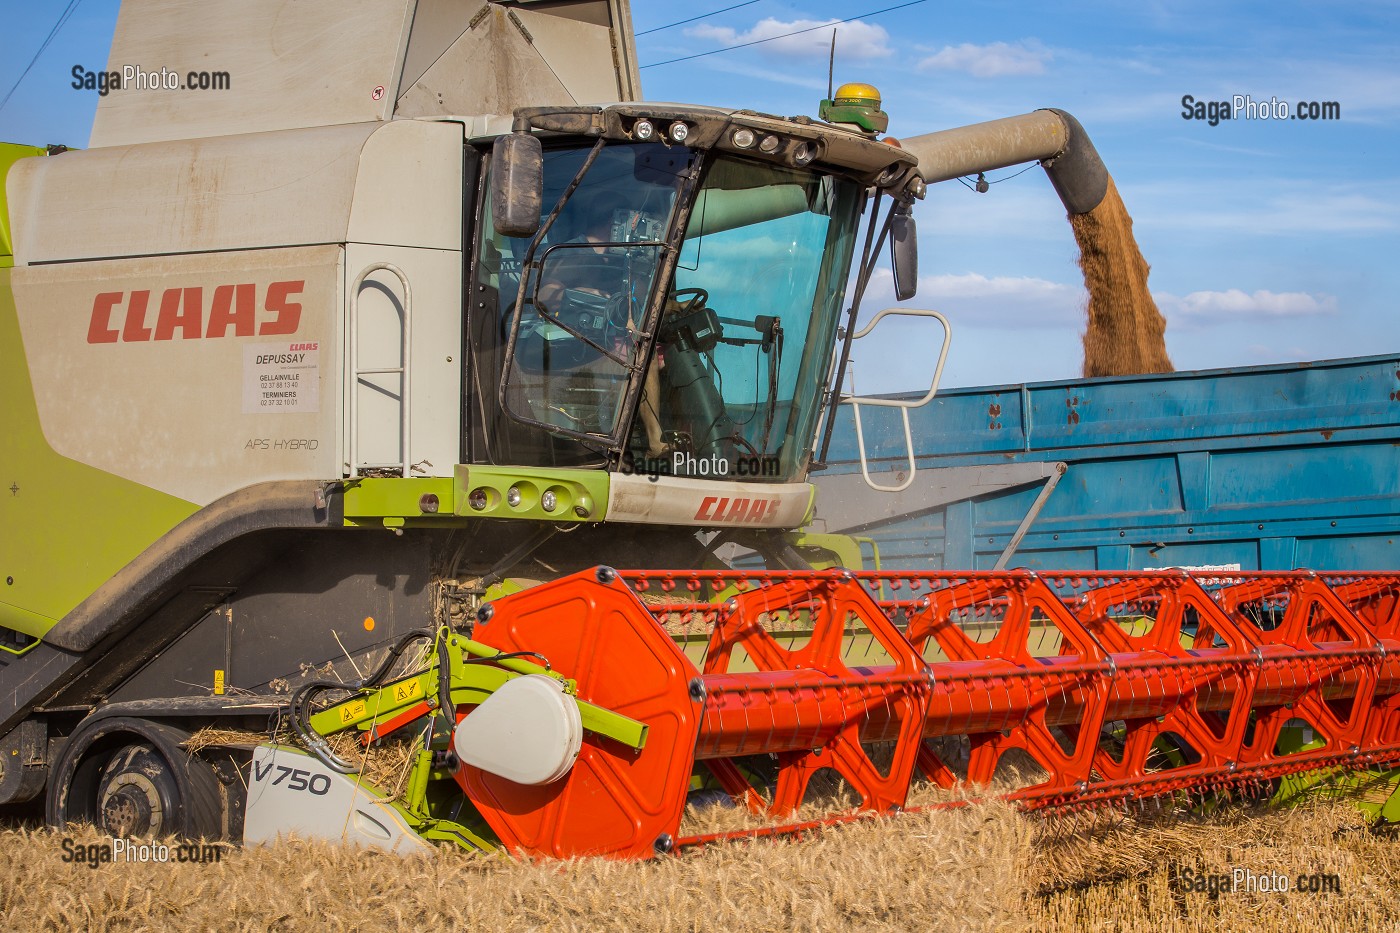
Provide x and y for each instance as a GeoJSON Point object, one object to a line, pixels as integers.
{"type": "Point", "coordinates": [1118, 687]}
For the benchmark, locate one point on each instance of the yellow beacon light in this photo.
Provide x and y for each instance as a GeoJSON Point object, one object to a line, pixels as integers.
{"type": "Point", "coordinates": [858, 93]}
{"type": "Point", "coordinates": [857, 104]}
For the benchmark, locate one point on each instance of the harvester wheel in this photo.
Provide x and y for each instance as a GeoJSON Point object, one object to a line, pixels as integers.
{"type": "Point", "coordinates": [130, 777]}
{"type": "Point", "coordinates": [136, 795]}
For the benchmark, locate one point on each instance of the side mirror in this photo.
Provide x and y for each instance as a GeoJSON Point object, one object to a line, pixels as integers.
{"type": "Point", "coordinates": [517, 184]}
{"type": "Point", "coordinates": [904, 253]}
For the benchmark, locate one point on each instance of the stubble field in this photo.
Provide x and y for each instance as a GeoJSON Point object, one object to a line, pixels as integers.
{"type": "Point", "coordinates": [984, 867]}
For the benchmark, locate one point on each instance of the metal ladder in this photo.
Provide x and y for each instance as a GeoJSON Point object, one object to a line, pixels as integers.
{"type": "Point", "coordinates": [355, 467]}
{"type": "Point", "coordinates": [856, 401]}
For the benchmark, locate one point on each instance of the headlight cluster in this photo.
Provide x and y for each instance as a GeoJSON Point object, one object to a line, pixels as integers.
{"type": "Point", "coordinates": [795, 152]}
{"type": "Point", "coordinates": [525, 495]}
{"type": "Point", "coordinates": [800, 151]}
{"type": "Point", "coordinates": [645, 131]}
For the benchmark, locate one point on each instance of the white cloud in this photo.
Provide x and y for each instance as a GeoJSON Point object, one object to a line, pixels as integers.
{"type": "Point", "coordinates": [854, 40]}
{"type": "Point", "coordinates": [1005, 329]}
{"type": "Point", "coordinates": [973, 300]}
{"type": "Point", "coordinates": [995, 60]}
{"type": "Point", "coordinates": [1233, 304]}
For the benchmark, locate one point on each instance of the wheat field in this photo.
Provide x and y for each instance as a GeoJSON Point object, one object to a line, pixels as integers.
{"type": "Point", "coordinates": [983, 867]}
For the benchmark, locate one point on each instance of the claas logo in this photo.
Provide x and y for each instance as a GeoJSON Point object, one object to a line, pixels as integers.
{"type": "Point", "coordinates": [736, 511]}
{"type": "Point", "coordinates": [233, 310]}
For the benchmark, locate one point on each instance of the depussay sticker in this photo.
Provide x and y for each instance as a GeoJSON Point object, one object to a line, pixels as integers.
{"type": "Point", "coordinates": [281, 377]}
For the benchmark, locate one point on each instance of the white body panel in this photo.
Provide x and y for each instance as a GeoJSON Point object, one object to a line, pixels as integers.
{"type": "Point", "coordinates": [155, 286]}
{"type": "Point", "coordinates": [308, 63]}
{"type": "Point", "coordinates": [290, 794]}
{"type": "Point", "coordinates": [170, 411]}
{"type": "Point", "coordinates": [494, 66]}
{"type": "Point", "coordinates": [394, 183]}
{"type": "Point", "coordinates": [291, 63]}
{"type": "Point", "coordinates": [435, 359]}
{"type": "Point", "coordinates": [678, 500]}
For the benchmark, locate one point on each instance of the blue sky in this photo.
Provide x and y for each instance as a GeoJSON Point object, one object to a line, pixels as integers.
{"type": "Point", "coordinates": [1269, 241]}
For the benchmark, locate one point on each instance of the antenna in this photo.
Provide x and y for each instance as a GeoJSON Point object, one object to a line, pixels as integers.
{"type": "Point", "coordinates": [831, 65]}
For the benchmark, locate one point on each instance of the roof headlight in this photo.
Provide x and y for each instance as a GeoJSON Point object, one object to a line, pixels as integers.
{"type": "Point", "coordinates": [679, 131]}
{"type": "Point", "coordinates": [643, 130]}
{"type": "Point", "coordinates": [743, 138]}
{"type": "Point", "coordinates": [769, 144]}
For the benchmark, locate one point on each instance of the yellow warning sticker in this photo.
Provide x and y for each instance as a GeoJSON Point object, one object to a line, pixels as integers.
{"type": "Point", "coordinates": [352, 711]}
{"type": "Point", "coordinates": [408, 690]}
{"type": "Point", "coordinates": [218, 683]}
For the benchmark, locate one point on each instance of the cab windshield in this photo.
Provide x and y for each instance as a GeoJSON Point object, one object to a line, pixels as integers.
{"type": "Point", "coordinates": [575, 326]}
{"type": "Point", "coordinates": [728, 387]}
{"type": "Point", "coordinates": [745, 338]}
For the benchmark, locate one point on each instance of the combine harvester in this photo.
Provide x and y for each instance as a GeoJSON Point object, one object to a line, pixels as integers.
{"type": "Point", "coordinates": [331, 401]}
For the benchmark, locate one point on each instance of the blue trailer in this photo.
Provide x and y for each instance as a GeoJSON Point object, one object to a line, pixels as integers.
{"type": "Point", "coordinates": [1262, 468]}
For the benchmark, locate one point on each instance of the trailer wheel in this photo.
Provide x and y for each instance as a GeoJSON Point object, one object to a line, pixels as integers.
{"type": "Point", "coordinates": [130, 777]}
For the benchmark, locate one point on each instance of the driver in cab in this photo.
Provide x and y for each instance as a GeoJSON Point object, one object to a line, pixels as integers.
{"type": "Point", "coordinates": [578, 283]}
{"type": "Point", "coordinates": [587, 286]}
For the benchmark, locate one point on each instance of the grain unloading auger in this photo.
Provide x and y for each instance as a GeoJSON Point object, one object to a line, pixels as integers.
{"type": "Point", "coordinates": [1117, 689]}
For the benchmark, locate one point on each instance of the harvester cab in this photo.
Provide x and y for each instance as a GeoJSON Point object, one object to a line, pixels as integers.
{"type": "Point", "coordinates": [666, 301]}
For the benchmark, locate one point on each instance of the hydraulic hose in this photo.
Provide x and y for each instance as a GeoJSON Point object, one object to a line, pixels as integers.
{"type": "Point", "coordinates": [301, 700]}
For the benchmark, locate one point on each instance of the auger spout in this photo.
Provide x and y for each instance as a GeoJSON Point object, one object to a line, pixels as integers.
{"type": "Point", "coordinates": [1051, 137]}
{"type": "Point", "coordinates": [1125, 332]}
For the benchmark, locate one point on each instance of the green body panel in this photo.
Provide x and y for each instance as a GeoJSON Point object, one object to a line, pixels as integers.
{"type": "Point", "coordinates": [65, 527]}
{"type": "Point", "coordinates": [471, 685]}
{"type": "Point", "coordinates": [10, 153]}
{"type": "Point", "coordinates": [430, 793]}
{"type": "Point", "coordinates": [581, 495]}
{"type": "Point", "coordinates": [844, 551]}
{"type": "Point", "coordinates": [1374, 791]}
{"type": "Point", "coordinates": [22, 620]}
{"type": "Point", "coordinates": [380, 500]}
{"type": "Point", "coordinates": [396, 501]}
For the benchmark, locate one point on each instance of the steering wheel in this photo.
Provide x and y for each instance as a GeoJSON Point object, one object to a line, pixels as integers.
{"type": "Point", "coordinates": [738, 440]}
{"type": "Point", "coordinates": [698, 298]}
{"type": "Point", "coordinates": [585, 272]}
